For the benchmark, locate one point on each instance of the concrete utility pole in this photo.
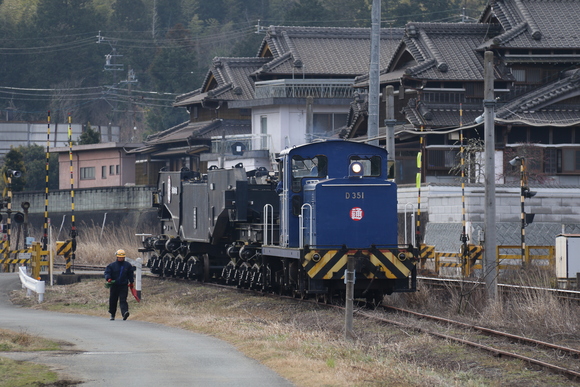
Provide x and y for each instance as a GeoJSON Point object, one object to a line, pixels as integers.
{"type": "Point", "coordinates": [390, 124]}
{"type": "Point", "coordinates": [373, 120]}
{"type": "Point", "coordinates": [490, 243]}
{"type": "Point", "coordinates": [349, 276]}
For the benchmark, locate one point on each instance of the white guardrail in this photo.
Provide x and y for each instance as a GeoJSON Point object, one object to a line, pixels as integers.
{"type": "Point", "coordinates": [31, 284]}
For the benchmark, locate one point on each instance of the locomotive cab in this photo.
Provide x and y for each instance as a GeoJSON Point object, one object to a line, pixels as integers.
{"type": "Point", "coordinates": [335, 195]}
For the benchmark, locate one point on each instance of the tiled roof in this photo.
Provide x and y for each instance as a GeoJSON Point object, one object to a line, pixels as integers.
{"type": "Point", "coordinates": [232, 76]}
{"type": "Point", "coordinates": [179, 132]}
{"type": "Point", "coordinates": [445, 51]}
{"type": "Point", "coordinates": [323, 51]}
{"type": "Point", "coordinates": [440, 115]}
{"type": "Point", "coordinates": [545, 105]}
{"type": "Point", "coordinates": [203, 129]}
{"type": "Point", "coordinates": [535, 23]}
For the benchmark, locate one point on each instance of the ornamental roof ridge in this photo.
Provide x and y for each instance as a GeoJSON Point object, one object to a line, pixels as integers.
{"type": "Point", "coordinates": [541, 95]}
{"type": "Point", "coordinates": [274, 63]}
{"type": "Point", "coordinates": [452, 28]}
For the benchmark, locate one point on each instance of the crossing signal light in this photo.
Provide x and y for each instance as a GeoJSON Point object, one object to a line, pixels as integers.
{"type": "Point", "coordinates": [529, 218]}
{"type": "Point", "coordinates": [19, 218]}
{"type": "Point", "coordinates": [526, 193]}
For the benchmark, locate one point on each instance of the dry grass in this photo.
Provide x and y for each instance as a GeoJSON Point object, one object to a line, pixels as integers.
{"type": "Point", "coordinates": [96, 246]}
{"type": "Point", "coordinates": [305, 343]}
{"type": "Point", "coordinates": [302, 342]}
{"type": "Point", "coordinates": [528, 311]}
{"type": "Point", "coordinates": [24, 341]}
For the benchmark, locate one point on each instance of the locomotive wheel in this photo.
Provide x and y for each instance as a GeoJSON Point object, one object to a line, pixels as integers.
{"type": "Point", "coordinates": [189, 269]}
{"type": "Point", "coordinates": [167, 267]}
{"type": "Point", "coordinates": [178, 268]}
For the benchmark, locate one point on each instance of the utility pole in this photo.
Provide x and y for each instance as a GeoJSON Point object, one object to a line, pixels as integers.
{"type": "Point", "coordinates": [349, 276]}
{"type": "Point", "coordinates": [373, 120]}
{"type": "Point", "coordinates": [390, 125]}
{"type": "Point", "coordinates": [490, 243]}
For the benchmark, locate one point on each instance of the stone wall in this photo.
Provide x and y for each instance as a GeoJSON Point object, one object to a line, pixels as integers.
{"type": "Point", "coordinates": [557, 211]}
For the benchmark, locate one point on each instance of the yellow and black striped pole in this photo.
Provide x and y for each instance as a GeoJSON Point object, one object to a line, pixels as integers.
{"type": "Point", "coordinates": [523, 184]}
{"type": "Point", "coordinates": [73, 231]}
{"type": "Point", "coordinates": [45, 231]}
{"type": "Point", "coordinates": [418, 184]}
{"type": "Point", "coordinates": [7, 195]}
{"type": "Point", "coordinates": [464, 237]}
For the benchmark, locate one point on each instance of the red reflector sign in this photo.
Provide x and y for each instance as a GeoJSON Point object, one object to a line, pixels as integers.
{"type": "Point", "coordinates": [356, 213]}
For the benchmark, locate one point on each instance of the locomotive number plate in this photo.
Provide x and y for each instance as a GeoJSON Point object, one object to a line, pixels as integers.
{"type": "Point", "coordinates": [355, 195]}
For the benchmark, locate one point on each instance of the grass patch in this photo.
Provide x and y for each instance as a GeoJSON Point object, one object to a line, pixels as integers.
{"type": "Point", "coordinates": [17, 373]}
{"type": "Point", "coordinates": [24, 374]}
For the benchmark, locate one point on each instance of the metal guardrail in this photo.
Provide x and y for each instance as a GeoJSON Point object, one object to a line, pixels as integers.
{"type": "Point", "coordinates": [507, 258]}
{"type": "Point", "coordinates": [31, 284]}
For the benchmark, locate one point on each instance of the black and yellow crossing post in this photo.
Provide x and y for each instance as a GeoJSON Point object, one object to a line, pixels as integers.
{"type": "Point", "coordinates": [70, 257]}
{"type": "Point", "coordinates": [44, 239]}
{"type": "Point", "coordinates": [7, 201]}
{"type": "Point", "coordinates": [65, 248]}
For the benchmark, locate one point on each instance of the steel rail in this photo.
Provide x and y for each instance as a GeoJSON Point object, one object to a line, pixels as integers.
{"type": "Point", "coordinates": [571, 374]}
{"type": "Point", "coordinates": [521, 339]}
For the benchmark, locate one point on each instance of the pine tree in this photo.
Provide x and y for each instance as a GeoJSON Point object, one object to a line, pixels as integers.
{"type": "Point", "coordinates": [89, 136]}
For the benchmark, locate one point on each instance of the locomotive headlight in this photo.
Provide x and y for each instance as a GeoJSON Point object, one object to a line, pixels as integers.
{"type": "Point", "coordinates": [356, 169]}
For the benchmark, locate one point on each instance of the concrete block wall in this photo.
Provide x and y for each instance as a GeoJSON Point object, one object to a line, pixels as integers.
{"type": "Point", "coordinates": [557, 211]}
{"type": "Point", "coordinates": [444, 205]}
{"type": "Point", "coordinates": [94, 199]}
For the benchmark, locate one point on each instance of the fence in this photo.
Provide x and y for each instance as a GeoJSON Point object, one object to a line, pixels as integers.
{"type": "Point", "coordinates": [507, 258]}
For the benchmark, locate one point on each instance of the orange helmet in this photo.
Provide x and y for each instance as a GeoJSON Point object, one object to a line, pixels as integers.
{"type": "Point", "coordinates": [121, 253]}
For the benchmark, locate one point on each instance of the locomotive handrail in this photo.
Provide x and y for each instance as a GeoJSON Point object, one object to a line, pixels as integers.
{"type": "Point", "coordinates": [268, 209]}
{"type": "Point", "coordinates": [301, 217]}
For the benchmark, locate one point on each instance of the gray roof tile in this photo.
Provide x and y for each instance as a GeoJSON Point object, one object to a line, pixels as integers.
{"type": "Point", "coordinates": [232, 76]}
{"type": "Point", "coordinates": [545, 104]}
{"type": "Point", "coordinates": [445, 51]}
{"type": "Point", "coordinates": [535, 23]}
{"type": "Point", "coordinates": [324, 51]}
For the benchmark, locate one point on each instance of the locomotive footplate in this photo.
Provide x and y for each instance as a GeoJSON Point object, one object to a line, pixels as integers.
{"type": "Point", "coordinates": [282, 252]}
{"type": "Point", "coordinates": [370, 263]}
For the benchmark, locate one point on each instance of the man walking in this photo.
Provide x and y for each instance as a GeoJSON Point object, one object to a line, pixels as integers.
{"type": "Point", "coordinates": [119, 277]}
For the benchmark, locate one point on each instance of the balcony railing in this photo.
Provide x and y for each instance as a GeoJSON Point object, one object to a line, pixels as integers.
{"type": "Point", "coordinates": [302, 88]}
{"type": "Point", "coordinates": [240, 142]}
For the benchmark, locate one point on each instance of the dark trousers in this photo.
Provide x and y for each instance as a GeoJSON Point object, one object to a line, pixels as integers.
{"type": "Point", "coordinates": [118, 292]}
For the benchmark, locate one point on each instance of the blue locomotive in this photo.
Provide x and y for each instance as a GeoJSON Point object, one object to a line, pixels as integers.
{"type": "Point", "coordinates": [291, 232]}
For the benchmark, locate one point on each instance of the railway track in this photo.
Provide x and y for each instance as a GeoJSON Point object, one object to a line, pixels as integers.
{"type": "Point", "coordinates": [560, 359]}
{"type": "Point", "coordinates": [504, 289]}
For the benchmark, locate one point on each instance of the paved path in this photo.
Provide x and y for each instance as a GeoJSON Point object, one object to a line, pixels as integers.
{"type": "Point", "coordinates": [130, 353]}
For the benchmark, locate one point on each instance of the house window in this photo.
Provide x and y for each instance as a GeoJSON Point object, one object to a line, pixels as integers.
{"type": "Point", "coordinates": [264, 132]}
{"type": "Point", "coordinates": [104, 172]}
{"type": "Point", "coordinates": [441, 159]}
{"type": "Point", "coordinates": [111, 170]}
{"type": "Point", "coordinates": [326, 123]}
{"type": "Point", "coordinates": [87, 173]}
{"type": "Point", "coordinates": [117, 169]}
{"type": "Point", "coordinates": [519, 75]}
{"type": "Point", "coordinates": [528, 75]}
{"type": "Point", "coordinates": [570, 159]}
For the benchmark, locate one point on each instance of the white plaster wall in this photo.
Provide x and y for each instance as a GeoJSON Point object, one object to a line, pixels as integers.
{"type": "Point", "coordinates": [444, 205]}
{"type": "Point", "coordinates": [287, 123]}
